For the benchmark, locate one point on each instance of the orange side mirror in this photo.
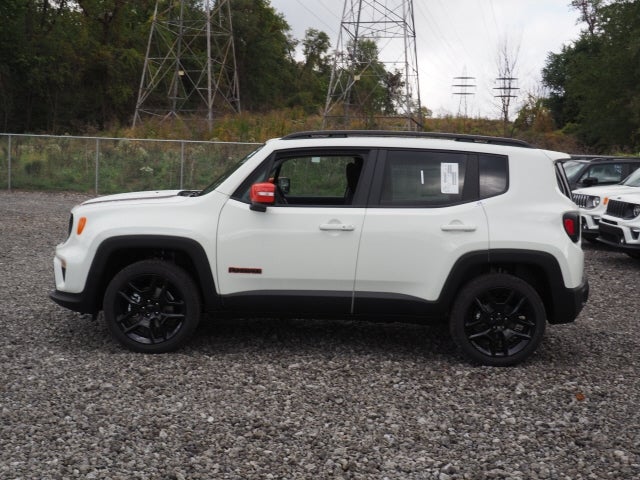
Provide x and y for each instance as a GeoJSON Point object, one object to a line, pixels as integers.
{"type": "Point", "coordinates": [262, 194]}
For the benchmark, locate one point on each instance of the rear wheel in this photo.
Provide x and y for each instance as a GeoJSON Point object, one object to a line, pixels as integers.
{"type": "Point", "coordinates": [152, 306]}
{"type": "Point", "coordinates": [498, 320]}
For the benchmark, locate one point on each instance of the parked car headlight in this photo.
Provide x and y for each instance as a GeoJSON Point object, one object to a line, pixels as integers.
{"type": "Point", "coordinates": [592, 201]}
{"type": "Point", "coordinates": [636, 210]}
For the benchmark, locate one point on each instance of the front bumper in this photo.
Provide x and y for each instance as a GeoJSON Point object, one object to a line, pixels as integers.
{"type": "Point", "coordinates": [619, 237]}
{"type": "Point", "coordinates": [77, 302]}
{"type": "Point", "coordinates": [590, 226]}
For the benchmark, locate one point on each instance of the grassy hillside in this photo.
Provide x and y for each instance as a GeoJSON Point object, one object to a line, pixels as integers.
{"type": "Point", "coordinates": [258, 127]}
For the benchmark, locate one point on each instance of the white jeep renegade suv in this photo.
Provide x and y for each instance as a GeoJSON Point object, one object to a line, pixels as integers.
{"type": "Point", "coordinates": [593, 202]}
{"type": "Point", "coordinates": [350, 224]}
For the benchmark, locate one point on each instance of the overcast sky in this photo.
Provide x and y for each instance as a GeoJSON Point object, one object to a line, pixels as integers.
{"type": "Point", "coordinates": [456, 37]}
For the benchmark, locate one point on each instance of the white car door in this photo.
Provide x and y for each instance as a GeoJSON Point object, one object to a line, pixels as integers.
{"type": "Point", "coordinates": [303, 249]}
{"type": "Point", "coordinates": [427, 215]}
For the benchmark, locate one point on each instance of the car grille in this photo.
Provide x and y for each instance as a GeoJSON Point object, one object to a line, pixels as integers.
{"type": "Point", "coordinates": [580, 199]}
{"type": "Point", "coordinates": [616, 208]}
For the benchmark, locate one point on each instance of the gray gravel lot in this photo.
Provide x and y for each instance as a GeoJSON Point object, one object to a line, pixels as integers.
{"type": "Point", "coordinates": [257, 399]}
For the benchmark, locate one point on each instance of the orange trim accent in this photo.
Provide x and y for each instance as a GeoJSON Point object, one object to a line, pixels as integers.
{"type": "Point", "coordinates": [81, 224]}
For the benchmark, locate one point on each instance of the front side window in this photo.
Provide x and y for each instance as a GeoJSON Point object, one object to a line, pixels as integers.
{"type": "Point", "coordinates": [605, 173]}
{"type": "Point", "coordinates": [423, 178]}
{"type": "Point", "coordinates": [325, 178]}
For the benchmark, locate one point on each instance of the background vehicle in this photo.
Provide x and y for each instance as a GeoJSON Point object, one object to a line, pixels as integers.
{"type": "Point", "coordinates": [347, 224]}
{"type": "Point", "coordinates": [591, 171]}
{"type": "Point", "coordinates": [593, 202]}
{"type": "Point", "coordinates": [620, 225]}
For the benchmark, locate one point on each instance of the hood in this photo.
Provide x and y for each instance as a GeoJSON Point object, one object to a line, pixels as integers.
{"type": "Point", "coordinates": [607, 190]}
{"type": "Point", "coordinates": [141, 196]}
{"type": "Point", "coordinates": [629, 197]}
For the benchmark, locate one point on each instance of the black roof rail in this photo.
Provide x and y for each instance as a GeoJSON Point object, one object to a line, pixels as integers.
{"type": "Point", "coordinates": [457, 137]}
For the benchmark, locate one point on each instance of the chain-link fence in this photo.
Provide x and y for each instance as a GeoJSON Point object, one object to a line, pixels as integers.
{"type": "Point", "coordinates": [109, 165]}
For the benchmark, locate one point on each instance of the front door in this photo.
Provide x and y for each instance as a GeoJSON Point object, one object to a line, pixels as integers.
{"type": "Point", "coordinates": [299, 254]}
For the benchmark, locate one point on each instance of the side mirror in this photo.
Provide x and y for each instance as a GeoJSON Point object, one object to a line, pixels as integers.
{"type": "Point", "coordinates": [261, 195]}
{"type": "Point", "coordinates": [284, 184]}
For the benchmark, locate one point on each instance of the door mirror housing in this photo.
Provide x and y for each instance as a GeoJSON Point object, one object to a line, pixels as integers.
{"type": "Point", "coordinates": [261, 195]}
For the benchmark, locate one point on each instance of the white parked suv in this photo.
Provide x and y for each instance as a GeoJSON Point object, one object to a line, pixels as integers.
{"type": "Point", "coordinates": [620, 225]}
{"type": "Point", "coordinates": [593, 202]}
{"type": "Point", "coordinates": [349, 224]}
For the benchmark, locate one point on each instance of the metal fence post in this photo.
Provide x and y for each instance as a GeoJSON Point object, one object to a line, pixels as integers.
{"type": "Point", "coordinates": [9, 164]}
{"type": "Point", "coordinates": [97, 163]}
{"type": "Point", "coordinates": [181, 164]}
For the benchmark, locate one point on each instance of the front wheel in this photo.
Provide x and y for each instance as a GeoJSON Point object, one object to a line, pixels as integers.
{"type": "Point", "coordinates": [152, 306]}
{"type": "Point", "coordinates": [498, 320]}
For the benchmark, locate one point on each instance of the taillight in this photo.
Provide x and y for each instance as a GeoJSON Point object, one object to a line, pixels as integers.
{"type": "Point", "coordinates": [571, 224]}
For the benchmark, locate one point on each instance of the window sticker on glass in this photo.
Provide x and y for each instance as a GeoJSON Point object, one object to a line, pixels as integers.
{"type": "Point", "coordinates": [449, 178]}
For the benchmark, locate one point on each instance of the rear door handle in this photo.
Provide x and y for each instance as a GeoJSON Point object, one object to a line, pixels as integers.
{"type": "Point", "coordinates": [342, 227]}
{"type": "Point", "coordinates": [458, 227]}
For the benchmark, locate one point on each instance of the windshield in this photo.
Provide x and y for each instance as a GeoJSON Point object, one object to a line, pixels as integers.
{"type": "Point", "coordinates": [216, 183]}
{"type": "Point", "coordinates": [633, 180]}
{"type": "Point", "coordinates": [572, 168]}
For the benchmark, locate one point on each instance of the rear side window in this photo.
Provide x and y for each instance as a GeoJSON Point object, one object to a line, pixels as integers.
{"type": "Point", "coordinates": [423, 178]}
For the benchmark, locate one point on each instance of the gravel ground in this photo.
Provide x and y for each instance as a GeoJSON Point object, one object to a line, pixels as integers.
{"type": "Point", "coordinates": [287, 399]}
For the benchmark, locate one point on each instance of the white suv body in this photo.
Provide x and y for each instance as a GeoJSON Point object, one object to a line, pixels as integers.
{"type": "Point", "coordinates": [346, 224]}
{"type": "Point", "coordinates": [593, 202]}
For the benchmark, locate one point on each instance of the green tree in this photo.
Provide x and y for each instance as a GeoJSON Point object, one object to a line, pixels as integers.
{"type": "Point", "coordinates": [264, 54]}
{"type": "Point", "coordinates": [313, 73]}
{"type": "Point", "coordinates": [369, 94]}
{"type": "Point", "coordinates": [595, 83]}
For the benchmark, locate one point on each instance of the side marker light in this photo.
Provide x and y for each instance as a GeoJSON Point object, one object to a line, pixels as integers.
{"type": "Point", "coordinates": [82, 222]}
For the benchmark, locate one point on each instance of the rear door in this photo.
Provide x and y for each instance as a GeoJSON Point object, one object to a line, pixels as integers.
{"type": "Point", "coordinates": [424, 214]}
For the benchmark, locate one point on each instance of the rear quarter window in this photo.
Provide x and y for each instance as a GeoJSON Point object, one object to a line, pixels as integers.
{"type": "Point", "coordinates": [493, 175]}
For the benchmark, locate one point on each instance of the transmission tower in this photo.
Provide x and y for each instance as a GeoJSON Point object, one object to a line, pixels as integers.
{"type": "Point", "coordinates": [506, 90]}
{"type": "Point", "coordinates": [464, 87]}
{"type": "Point", "coordinates": [190, 64]}
{"type": "Point", "coordinates": [364, 84]}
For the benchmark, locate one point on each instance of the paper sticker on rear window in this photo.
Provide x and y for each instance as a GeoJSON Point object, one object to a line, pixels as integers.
{"type": "Point", "coordinates": [449, 178]}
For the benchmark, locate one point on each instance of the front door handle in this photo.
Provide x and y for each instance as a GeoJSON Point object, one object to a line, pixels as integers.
{"type": "Point", "coordinates": [342, 227]}
{"type": "Point", "coordinates": [458, 227]}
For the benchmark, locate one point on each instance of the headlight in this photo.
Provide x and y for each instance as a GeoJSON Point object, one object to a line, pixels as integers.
{"type": "Point", "coordinates": [636, 210]}
{"type": "Point", "coordinates": [592, 201]}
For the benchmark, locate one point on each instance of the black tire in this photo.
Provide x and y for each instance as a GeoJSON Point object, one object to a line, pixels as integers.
{"type": "Point", "coordinates": [152, 306]}
{"type": "Point", "coordinates": [498, 320]}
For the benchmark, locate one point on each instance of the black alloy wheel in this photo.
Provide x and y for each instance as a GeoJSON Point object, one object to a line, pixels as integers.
{"type": "Point", "coordinates": [498, 320]}
{"type": "Point", "coordinates": [152, 306]}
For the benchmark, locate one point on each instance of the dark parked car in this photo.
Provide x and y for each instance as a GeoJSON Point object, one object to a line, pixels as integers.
{"type": "Point", "coordinates": [589, 171]}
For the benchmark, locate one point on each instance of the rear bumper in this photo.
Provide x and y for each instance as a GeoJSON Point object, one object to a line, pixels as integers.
{"type": "Point", "coordinates": [568, 303]}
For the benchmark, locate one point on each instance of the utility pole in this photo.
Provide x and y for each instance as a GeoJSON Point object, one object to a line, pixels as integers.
{"type": "Point", "coordinates": [375, 57]}
{"type": "Point", "coordinates": [179, 75]}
